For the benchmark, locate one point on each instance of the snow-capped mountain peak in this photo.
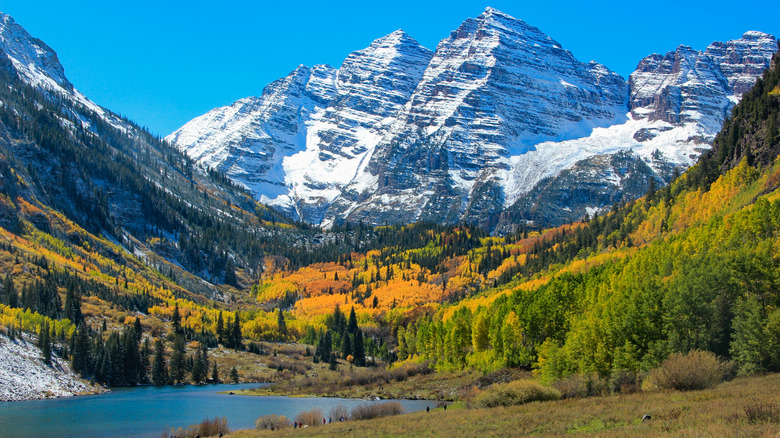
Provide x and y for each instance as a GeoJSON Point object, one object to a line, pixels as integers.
{"type": "Point", "coordinates": [31, 57]}
{"type": "Point", "coordinates": [399, 133]}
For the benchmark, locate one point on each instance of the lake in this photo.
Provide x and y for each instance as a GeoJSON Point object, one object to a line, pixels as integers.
{"type": "Point", "coordinates": [148, 411]}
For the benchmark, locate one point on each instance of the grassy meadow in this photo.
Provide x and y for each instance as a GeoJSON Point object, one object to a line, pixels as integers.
{"type": "Point", "coordinates": [744, 407]}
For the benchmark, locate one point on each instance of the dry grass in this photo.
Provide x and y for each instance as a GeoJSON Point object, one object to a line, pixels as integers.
{"type": "Point", "coordinates": [714, 412]}
{"type": "Point", "coordinates": [759, 411]}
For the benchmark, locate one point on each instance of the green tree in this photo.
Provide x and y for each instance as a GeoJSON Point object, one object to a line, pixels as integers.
{"type": "Point", "coordinates": [44, 342]}
{"type": "Point", "coordinates": [220, 329]}
{"type": "Point", "coordinates": [280, 323]}
{"type": "Point", "coordinates": [176, 320]}
{"type": "Point", "coordinates": [178, 366]}
{"type": "Point", "coordinates": [748, 337]}
{"type": "Point", "coordinates": [159, 367]}
{"type": "Point", "coordinates": [236, 334]}
{"type": "Point", "coordinates": [234, 375]}
{"type": "Point", "coordinates": [214, 373]}
{"type": "Point", "coordinates": [480, 332]}
{"type": "Point", "coordinates": [359, 351]}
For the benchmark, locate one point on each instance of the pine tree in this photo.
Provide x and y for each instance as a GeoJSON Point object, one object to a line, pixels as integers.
{"type": "Point", "coordinates": [230, 273]}
{"type": "Point", "coordinates": [281, 324]}
{"type": "Point", "coordinates": [80, 351]}
{"type": "Point", "coordinates": [236, 335]}
{"type": "Point", "coordinates": [352, 326]}
{"type": "Point", "coordinates": [145, 365]}
{"type": "Point", "coordinates": [178, 364]}
{"type": "Point", "coordinates": [220, 329]}
{"type": "Point", "coordinates": [44, 342]}
{"type": "Point", "coordinates": [332, 364]}
{"type": "Point", "coordinates": [214, 373]}
{"type": "Point", "coordinates": [176, 320]}
{"type": "Point", "coordinates": [346, 344]}
{"type": "Point", "coordinates": [72, 308]}
{"type": "Point", "coordinates": [359, 352]}
{"type": "Point", "coordinates": [234, 375]}
{"type": "Point", "coordinates": [159, 368]}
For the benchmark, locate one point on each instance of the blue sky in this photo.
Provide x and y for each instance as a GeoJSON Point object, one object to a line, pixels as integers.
{"type": "Point", "coordinates": [161, 63]}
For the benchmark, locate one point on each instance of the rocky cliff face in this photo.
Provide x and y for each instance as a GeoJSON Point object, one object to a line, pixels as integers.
{"type": "Point", "coordinates": [689, 86]}
{"type": "Point", "coordinates": [485, 124]}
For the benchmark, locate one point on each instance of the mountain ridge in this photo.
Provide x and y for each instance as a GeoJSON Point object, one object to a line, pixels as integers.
{"type": "Point", "coordinates": [474, 139]}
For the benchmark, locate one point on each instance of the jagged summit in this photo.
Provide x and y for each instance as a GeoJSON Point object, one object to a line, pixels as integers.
{"type": "Point", "coordinates": [31, 57]}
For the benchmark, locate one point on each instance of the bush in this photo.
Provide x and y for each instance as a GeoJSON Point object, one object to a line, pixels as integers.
{"type": "Point", "coordinates": [376, 410]}
{"type": "Point", "coordinates": [310, 418]}
{"type": "Point", "coordinates": [272, 421]}
{"type": "Point", "coordinates": [204, 429]}
{"type": "Point", "coordinates": [581, 385]}
{"type": "Point", "coordinates": [515, 393]}
{"type": "Point", "coordinates": [338, 411]}
{"type": "Point", "coordinates": [688, 372]}
{"type": "Point", "coordinates": [624, 382]}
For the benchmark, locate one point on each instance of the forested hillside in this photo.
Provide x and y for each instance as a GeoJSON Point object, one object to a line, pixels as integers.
{"type": "Point", "coordinates": [693, 265]}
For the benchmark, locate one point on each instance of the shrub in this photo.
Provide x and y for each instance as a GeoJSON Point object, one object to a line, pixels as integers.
{"type": "Point", "coordinates": [204, 429]}
{"type": "Point", "coordinates": [272, 421]}
{"type": "Point", "coordinates": [762, 412]}
{"type": "Point", "coordinates": [310, 418]}
{"type": "Point", "coordinates": [687, 372]}
{"type": "Point", "coordinates": [338, 411]}
{"type": "Point", "coordinates": [581, 385]}
{"type": "Point", "coordinates": [624, 382]}
{"type": "Point", "coordinates": [515, 393]}
{"type": "Point", "coordinates": [376, 410]}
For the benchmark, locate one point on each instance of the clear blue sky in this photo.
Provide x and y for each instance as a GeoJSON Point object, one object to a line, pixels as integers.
{"type": "Point", "coordinates": [164, 62]}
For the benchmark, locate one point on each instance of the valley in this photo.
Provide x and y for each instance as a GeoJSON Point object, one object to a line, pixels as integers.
{"type": "Point", "coordinates": [493, 224]}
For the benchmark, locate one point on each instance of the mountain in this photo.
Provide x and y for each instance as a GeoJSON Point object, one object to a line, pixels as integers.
{"type": "Point", "coordinates": [499, 125]}
{"type": "Point", "coordinates": [79, 173]}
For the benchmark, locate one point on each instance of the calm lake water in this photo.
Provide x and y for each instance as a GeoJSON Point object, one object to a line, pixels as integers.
{"type": "Point", "coordinates": [148, 411]}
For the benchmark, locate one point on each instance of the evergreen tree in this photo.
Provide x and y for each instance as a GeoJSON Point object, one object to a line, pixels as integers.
{"type": "Point", "coordinates": [80, 351]}
{"type": "Point", "coordinates": [178, 364]}
{"type": "Point", "coordinates": [137, 329]}
{"type": "Point", "coordinates": [159, 368]}
{"type": "Point", "coordinates": [280, 323]}
{"type": "Point", "coordinates": [230, 273]}
{"type": "Point", "coordinates": [72, 308]}
{"type": "Point", "coordinates": [332, 364]}
{"type": "Point", "coordinates": [236, 335]}
{"type": "Point", "coordinates": [220, 329]}
{"type": "Point", "coordinates": [9, 295]}
{"type": "Point", "coordinates": [145, 365]}
{"type": "Point", "coordinates": [234, 375]}
{"type": "Point", "coordinates": [352, 326]}
{"type": "Point", "coordinates": [359, 352]}
{"type": "Point", "coordinates": [44, 342]}
{"type": "Point", "coordinates": [214, 373]}
{"type": "Point", "coordinates": [176, 320]}
{"type": "Point", "coordinates": [346, 344]}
